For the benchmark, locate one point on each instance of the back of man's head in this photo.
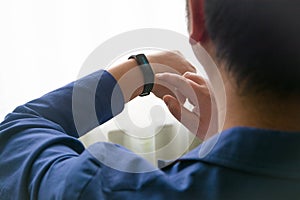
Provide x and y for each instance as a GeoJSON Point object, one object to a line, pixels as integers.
{"type": "Point", "coordinates": [258, 40]}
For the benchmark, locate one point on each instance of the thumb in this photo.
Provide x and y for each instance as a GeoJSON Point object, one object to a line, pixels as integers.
{"type": "Point", "coordinates": [173, 106]}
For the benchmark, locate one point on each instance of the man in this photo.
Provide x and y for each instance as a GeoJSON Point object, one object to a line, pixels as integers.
{"type": "Point", "coordinates": [255, 44]}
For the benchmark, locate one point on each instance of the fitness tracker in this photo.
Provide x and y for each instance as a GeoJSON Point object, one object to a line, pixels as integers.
{"type": "Point", "coordinates": [148, 74]}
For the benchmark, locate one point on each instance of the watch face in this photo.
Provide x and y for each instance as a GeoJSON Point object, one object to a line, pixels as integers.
{"type": "Point", "coordinates": [143, 60]}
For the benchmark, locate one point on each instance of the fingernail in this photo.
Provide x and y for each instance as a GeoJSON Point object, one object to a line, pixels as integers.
{"type": "Point", "coordinates": [187, 73]}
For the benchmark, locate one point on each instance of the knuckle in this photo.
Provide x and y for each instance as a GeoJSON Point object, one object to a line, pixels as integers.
{"type": "Point", "coordinates": [177, 52]}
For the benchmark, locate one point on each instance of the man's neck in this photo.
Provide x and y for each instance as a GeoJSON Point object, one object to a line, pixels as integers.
{"type": "Point", "coordinates": [261, 111]}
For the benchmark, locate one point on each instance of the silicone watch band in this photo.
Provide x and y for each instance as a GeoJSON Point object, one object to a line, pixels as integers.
{"type": "Point", "coordinates": [148, 74]}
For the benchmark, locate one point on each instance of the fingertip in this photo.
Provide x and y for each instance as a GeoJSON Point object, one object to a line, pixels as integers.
{"type": "Point", "coordinates": [167, 99]}
{"type": "Point", "coordinates": [188, 74]}
{"type": "Point", "coordinates": [195, 78]}
{"type": "Point", "coordinates": [173, 106]}
{"type": "Point", "coordinates": [193, 69]}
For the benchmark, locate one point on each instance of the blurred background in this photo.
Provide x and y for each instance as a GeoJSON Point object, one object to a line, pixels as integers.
{"type": "Point", "coordinates": [44, 43]}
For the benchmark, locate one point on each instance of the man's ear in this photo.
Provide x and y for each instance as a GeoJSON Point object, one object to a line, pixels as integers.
{"type": "Point", "coordinates": [198, 31]}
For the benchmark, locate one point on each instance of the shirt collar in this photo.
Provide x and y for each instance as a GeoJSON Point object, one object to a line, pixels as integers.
{"type": "Point", "coordinates": [274, 153]}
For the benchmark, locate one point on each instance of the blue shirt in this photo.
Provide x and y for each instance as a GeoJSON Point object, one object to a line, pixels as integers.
{"type": "Point", "coordinates": [41, 157]}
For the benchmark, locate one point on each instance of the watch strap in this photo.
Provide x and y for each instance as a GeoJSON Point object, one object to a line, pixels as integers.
{"type": "Point", "coordinates": [147, 71]}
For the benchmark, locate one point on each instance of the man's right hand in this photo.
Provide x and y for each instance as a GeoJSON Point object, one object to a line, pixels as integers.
{"type": "Point", "coordinates": [195, 89]}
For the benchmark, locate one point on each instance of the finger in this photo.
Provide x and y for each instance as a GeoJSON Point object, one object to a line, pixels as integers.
{"type": "Point", "coordinates": [189, 119]}
{"type": "Point", "coordinates": [200, 86]}
{"type": "Point", "coordinates": [179, 96]}
{"type": "Point", "coordinates": [194, 123]}
{"type": "Point", "coordinates": [196, 78]}
{"type": "Point", "coordinates": [173, 106]}
{"type": "Point", "coordinates": [164, 88]}
{"type": "Point", "coordinates": [204, 83]}
{"type": "Point", "coordinates": [192, 69]}
{"type": "Point", "coordinates": [179, 82]}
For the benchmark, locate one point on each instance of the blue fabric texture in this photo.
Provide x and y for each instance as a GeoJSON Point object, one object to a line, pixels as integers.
{"type": "Point", "coordinates": [42, 158]}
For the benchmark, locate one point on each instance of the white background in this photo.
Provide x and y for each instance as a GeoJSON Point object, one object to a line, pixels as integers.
{"type": "Point", "coordinates": [43, 43]}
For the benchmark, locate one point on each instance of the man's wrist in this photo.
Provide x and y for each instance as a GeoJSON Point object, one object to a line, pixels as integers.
{"type": "Point", "coordinates": [129, 77]}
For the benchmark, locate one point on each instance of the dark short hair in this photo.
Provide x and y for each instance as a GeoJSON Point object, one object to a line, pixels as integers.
{"type": "Point", "coordinates": [259, 42]}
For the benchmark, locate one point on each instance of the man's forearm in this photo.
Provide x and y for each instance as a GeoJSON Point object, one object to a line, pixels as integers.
{"type": "Point", "coordinates": [79, 106]}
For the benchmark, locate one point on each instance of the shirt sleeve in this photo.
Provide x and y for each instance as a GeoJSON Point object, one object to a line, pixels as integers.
{"type": "Point", "coordinates": [38, 140]}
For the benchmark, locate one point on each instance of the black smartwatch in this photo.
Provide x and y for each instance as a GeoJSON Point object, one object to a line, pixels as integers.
{"type": "Point", "coordinates": [148, 74]}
